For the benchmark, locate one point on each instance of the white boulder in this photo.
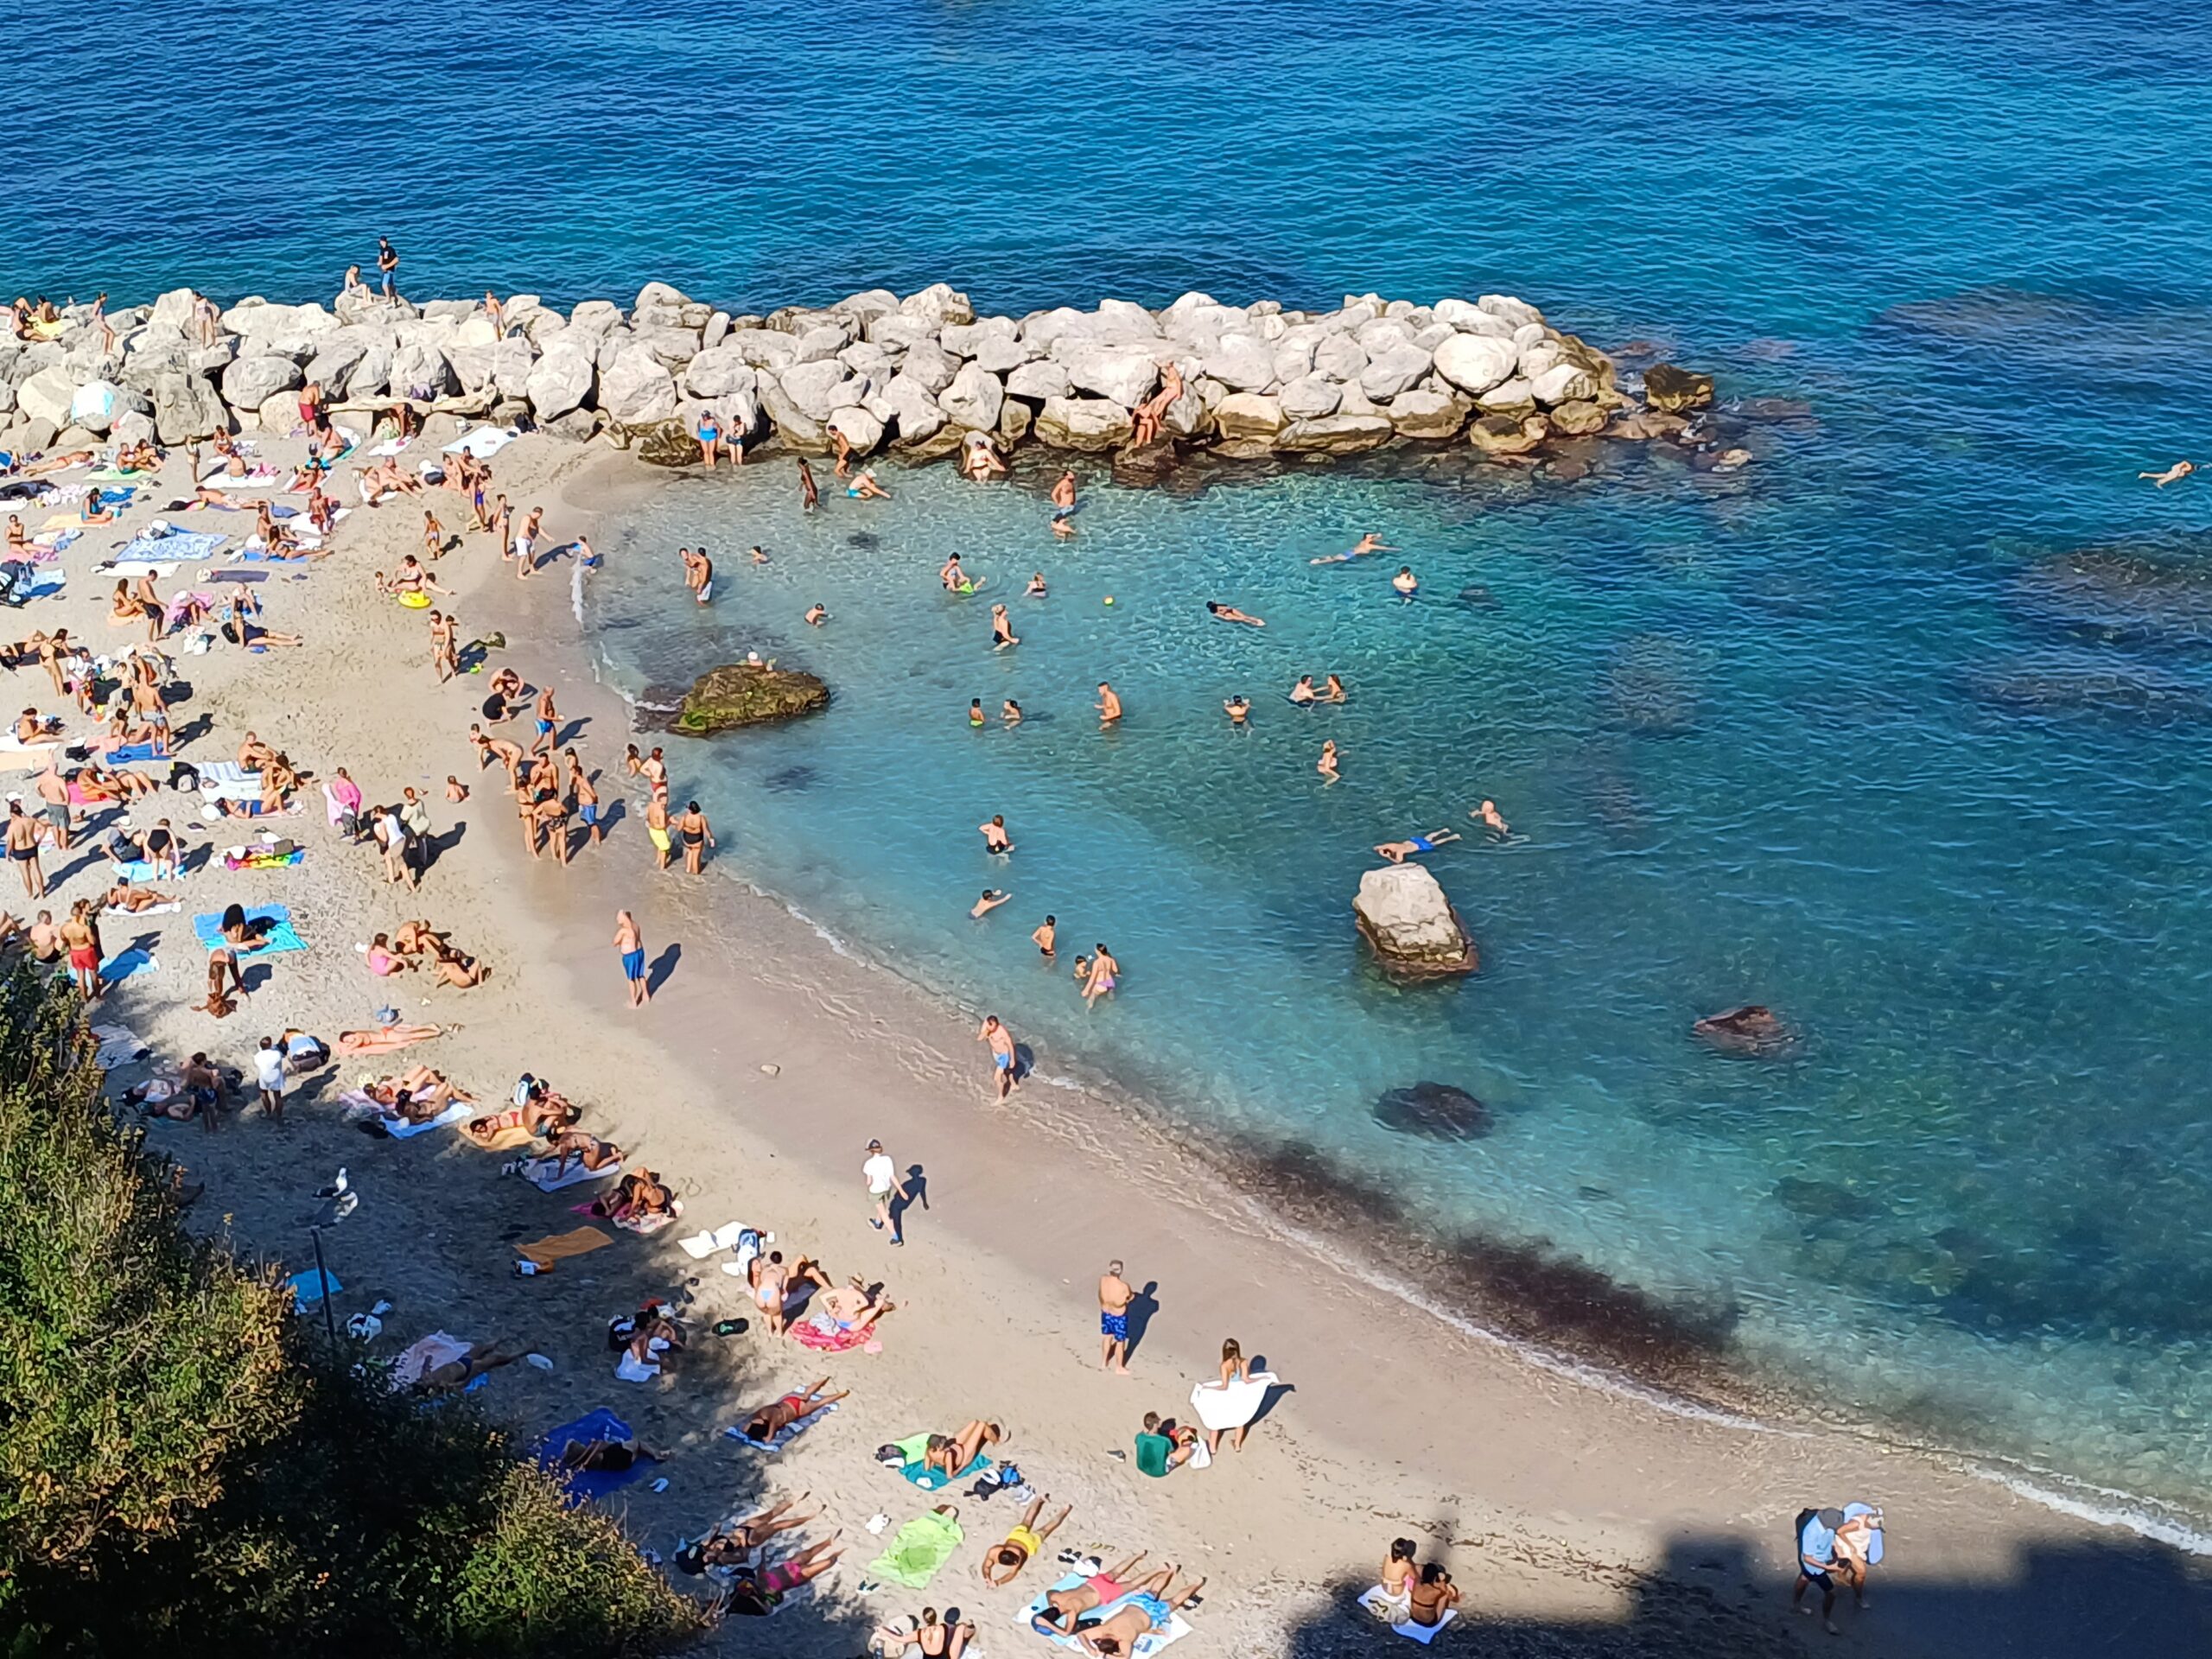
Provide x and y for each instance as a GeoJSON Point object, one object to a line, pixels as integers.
{"type": "Point", "coordinates": [1475, 362]}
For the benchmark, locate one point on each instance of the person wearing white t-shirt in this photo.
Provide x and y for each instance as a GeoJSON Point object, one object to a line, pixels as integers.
{"type": "Point", "coordinates": [883, 1184]}
{"type": "Point", "coordinates": [268, 1068]}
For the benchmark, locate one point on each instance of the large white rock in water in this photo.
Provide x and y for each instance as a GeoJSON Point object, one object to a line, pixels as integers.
{"type": "Point", "coordinates": [563, 377]}
{"type": "Point", "coordinates": [1510, 310]}
{"type": "Point", "coordinates": [817, 388]}
{"type": "Point", "coordinates": [974, 399]}
{"type": "Point", "coordinates": [1241, 362]}
{"type": "Point", "coordinates": [1393, 369]}
{"type": "Point", "coordinates": [1042, 378]}
{"type": "Point", "coordinates": [718, 372]}
{"type": "Point", "coordinates": [252, 381]}
{"type": "Point", "coordinates": [48, 396]}
{"type": "Point", "coordinates": [861, 430]}
{"type": "Point", "coordinates": [1563, 382]}
{"type": "Point", "coordinates": [1249, 415]}
{"type": "Point", "coordinates": [762, 348]}
{"type": "Point", "coordinates": [1082, 423]}
{"type": "Point", "coordinates": [1334, 435]}
{"type": "Point", "coordinates": [596, 317]}
{"type": "Point", "coordinates": [1310, 397]}
{"type": "Point", "coordinates": [1125, 377]}
{"type": "Point", "coordinates": [332, 368]}
{"type": "Point", "coordinates": [926, 362]}
{"type": "Point", "coordinates": [939, 305]}
{"type": "Point", "coordinates": [965, 339]}
{"type": "Point", "coordinates": [635, 390]}
{"type": "Point", "coordinates": [1339, 357]}
{"type": "Point", "coordinates": [1420, 413]}
{"type": "Point", "coordinates": [258, 320]}
{"type": "Point", "coordinates": [1475, 362]}
{"type": "Point", "coordinates": [1403, 914]}
{"type": "Point", "coordinates": [906, 402]}
{"type": "Point", "coordinates": [173, 310]}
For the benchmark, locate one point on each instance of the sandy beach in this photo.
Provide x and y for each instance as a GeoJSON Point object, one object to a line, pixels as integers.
{"type": "Point", "coordinates": [1576, 1515]}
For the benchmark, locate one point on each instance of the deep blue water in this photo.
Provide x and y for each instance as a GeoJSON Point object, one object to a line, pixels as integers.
{"type": "Point", "coordinates": [1846, 734]}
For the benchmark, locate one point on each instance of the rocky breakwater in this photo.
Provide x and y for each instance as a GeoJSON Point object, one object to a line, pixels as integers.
{"type": "Point", "coordinates": [747, 694]}
{"type": "Point", "coordinates": [918, 375]}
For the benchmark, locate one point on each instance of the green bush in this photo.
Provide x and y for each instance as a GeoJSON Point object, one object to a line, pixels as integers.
{"type": "Point", "coordinates": [181, 1471]}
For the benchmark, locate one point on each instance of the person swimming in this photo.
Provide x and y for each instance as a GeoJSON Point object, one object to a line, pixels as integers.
{"type": "Point", "coordinates": [1366, 544]}
{"type": "Point", "coordinates": [1239, 710]}
{"type": "Point", "coordinates": [976, 712]}
{"type": "Point", "coordinates": [1010, 712]}
{"type": "Point", "coordinates": [1304, 691]}
{"type": "Point", "coordinates": [1399, 851]}
{"type": "Point", "coordinates": [1405, 584]}
{"type": "Point", "coordinates": [1036, 588]}
{"type": "Point", "coordinates": [1231, 614]}
{"type": "Point", "coordinates": [1487, 814]}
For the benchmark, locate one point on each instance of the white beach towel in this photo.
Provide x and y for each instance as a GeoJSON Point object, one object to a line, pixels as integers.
{"type": "Point", "coordinates": [785, 1435]}
{"type": "Point", "coordinates": [1147, 1645]}
{"type": "Point", "coordinates": [138, 567]}
{"type": "Point", "coordinates": [1376, 1600]}
{"type": "Point", "coordinates": [539, 1174]}
{"type": "Point", "coordinates": [119, 1045]}
{"type": "Point", "coordinates": [484, 441]}
{"type": "Point", "coordinates": [150, 910]}
{"type": "Point", "coordinates": [227, 781]}
{"type": "Point", "coordinates": [1231, 1405]}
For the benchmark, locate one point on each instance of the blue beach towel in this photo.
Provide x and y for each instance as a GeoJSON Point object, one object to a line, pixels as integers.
{"type": "Point", "coordinates": [124, 964]}
{"type": "Point", "coordinates": [584, 1483]}
{"type": "Point", "coordinates": [280, 939]}
{"type": "Point", "coordinates": [129, 751]}
{"type": "Point", "coordinates": [928, 1479]}
{"type": "Point", "coordinates": [178, 547]}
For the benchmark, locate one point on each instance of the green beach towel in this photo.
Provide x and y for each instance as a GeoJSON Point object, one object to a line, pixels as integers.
{"type": "Point", "coordinates": [924, 1544]}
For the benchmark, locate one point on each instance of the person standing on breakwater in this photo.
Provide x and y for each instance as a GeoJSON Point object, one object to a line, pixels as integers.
{"type": "Point", "coordinates": [1114, 1296]}
{"type": "Point", "coordinates": [1063, 504]}
{"type": "Point", "coordinates": [1002, 1055]}
{"type": "Point", "coordinates": [630, 946]}
{"type": "Point", "coordinates": [388, 263]}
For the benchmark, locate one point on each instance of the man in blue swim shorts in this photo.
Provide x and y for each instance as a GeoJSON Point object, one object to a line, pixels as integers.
{"type": "Point", "coordinates": [1114, 1298]}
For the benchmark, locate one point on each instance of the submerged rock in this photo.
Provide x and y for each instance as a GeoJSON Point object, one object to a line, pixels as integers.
{"type": "Point", "coordinates": [1674, 390]}
{"type": "Point", "coordinates": [1436, 1111]}
{"type": "Point", "coordinates": [1415, 933]}
{"type": "Point", "coordinates": [1750, 1032]}
{"type": "Point", "coordinates": [748, 694]}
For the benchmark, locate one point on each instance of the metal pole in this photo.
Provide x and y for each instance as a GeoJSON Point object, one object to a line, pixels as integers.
{"type": "Point", "coordinates": [322, 1283]}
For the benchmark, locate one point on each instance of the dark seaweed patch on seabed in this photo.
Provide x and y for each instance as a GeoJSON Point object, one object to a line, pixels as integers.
{"type": "Point", "coordinates": [1529, 1292]}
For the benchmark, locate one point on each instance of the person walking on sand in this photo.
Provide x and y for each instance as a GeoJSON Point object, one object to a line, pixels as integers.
{"type": "Point", "coordinates": [22, 839]}
{"type": "Point", "coordinates": [1063, 504]}
{"type": "Point", "coordinates": [630, 944]}
{"type": "Point", "coordinates": [1002, 1056]}
{"type": "Point", "coordinates": [883, 1184]}
{"type": "Point", "coordinates": [269, 1075]}
{"type": "Point", "coordinates": [549, 723]}
{"type": "Point", "coordinates": [1115, 1295]}
{"type": "Point", "coordinates": [586, 798]}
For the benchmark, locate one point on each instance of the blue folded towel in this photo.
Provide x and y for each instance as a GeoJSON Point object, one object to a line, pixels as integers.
{"type": "Point", "coordinates": [280, 939]}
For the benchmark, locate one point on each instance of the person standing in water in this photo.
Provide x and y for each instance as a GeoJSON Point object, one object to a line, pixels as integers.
{"type": "Point", "coordinates": [1002, 634]}
{"type": "Point", "coordinates": [1105, 974]}
{"type": "Point", "coordinates": [1110, 706]}
{"type": "Point", "coordinates": [1326, 765]}
{"type": "Point", "coordinates": [697, 834]}
{"type": "Point", "coordinates": [808, 497]}
{"type": "Point", "coordinates": [1046, 934]}
{"type": "Point", "coordinates": [630, 946]}
{"type": "Point", "coordinates": [1063, 504]}
{"type": "Point", "coordinates": [1002, 1055]}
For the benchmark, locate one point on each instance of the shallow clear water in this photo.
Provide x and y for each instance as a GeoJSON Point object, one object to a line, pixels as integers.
{"type": "Point", "coordinates": [1829, 736]}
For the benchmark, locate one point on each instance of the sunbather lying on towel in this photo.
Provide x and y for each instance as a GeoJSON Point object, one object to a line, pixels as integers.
{"type": "Point", "coordinates": [733, 1543]}
{"type": "Point", "coordinates": [774, 1418]}
{"type": "Point", "coordinates": [417, 1095]}
{"type": "Point", "coordinates": [849, 1310]}
{"type": "Point", "coordinates": [1025, 1541]}
{"type": "Point", "coordinates": [58, 463]}
{"type": "Point", "coordinates": [755, 1595]}
{"type": "Point", "coordinates": [544, 1115]}
{"type": "Point", "coordinates": [570, 1149]}
{"type": "Point", "coordinates": [1063, 1607]}
{"type": "Point", "coordinates": [638, 1201]}
{"type": "Point", "coordinates": [608, 1457]}
{"type": "Point", "coordinates": [385, 1038]}
{"type": "Point", "coordinates": [480, 1358]}
{"type": "Point", "coordinates": [1143, 1613]}
{"type": "Point", "coordinates": [123, 896]}
{"type": "Point", "coordinates": [948, 1454]}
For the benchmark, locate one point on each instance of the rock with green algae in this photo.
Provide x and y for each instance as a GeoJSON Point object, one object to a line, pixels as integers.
{"type": "Point", "coordinates": [748, 694]}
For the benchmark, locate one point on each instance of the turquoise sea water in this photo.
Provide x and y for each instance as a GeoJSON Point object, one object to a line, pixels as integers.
{"type": "Point", "coordinates": [1847, 734]}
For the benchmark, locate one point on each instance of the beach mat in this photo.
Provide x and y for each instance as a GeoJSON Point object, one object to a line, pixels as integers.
{"type": "Point", "coordinates": [922, 1545]}
{"type": "Point", "coordinates": [584, 1483]}
{"type": "Point", "coordinates": [574, 1175]}
{"type": "Point", "coordinates": [785, 1436]}
{"type": "Point", "coordinates": [280, 939]}
{"type": "Point", "coordinates": [1376, 1600]}
{"type": "Point", "coordinates": [458, 1112]}
{"type": "Point", "coordinates": [559, 1247]}
{"type": "Point", "coordinates": [930, 1480]}
{"type": "Point", "coordinates": [1146, 1645]}
{"type": "Point", "coordinates": [124, 964]}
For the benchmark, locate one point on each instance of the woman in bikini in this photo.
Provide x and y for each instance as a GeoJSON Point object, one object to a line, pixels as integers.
{"type": "Point", "coordinates": [734, 1544]}
{"type": "Point", "coordinates": [774, 1418]}
{"type": "Point", "coordinates": [1399, 1574]}
{"type": "Point", "coordinates": [936, 1639]}
{"type": "Point", "coordinates": [757, 1596]}
{"type": "Point", "coordinates": [949, 1454]}
{"type": "Point", "coordinates": [1105, 973]}
{"type": "Point", "coordinates": [1003, 1566]}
